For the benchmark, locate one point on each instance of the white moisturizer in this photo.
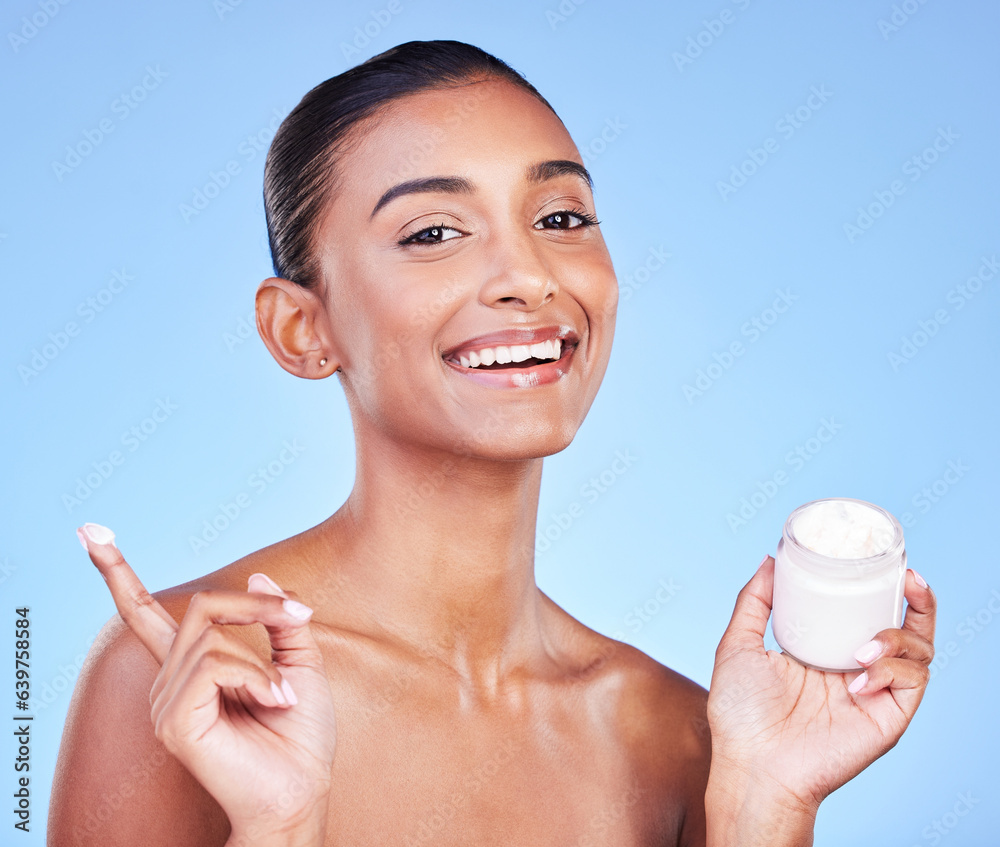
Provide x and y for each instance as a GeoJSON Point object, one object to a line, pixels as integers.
{"type": "Point", "coordinates": [839, 573]}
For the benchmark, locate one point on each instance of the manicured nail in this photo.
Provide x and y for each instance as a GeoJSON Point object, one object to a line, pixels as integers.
{"type": "Point", "coordinates": [83, 540]}
{"type": "Point", "coordinates": [267, 581]}
{"type": "Point", "coordinates": [858, 684]}
{"type": "Point", "coordinates": [766, 557]}
{"type": "Point", "coordinates": [98, 534]}
{"type": "Point", "coordinates": [868, 653]}
{"type": "Point", "coordinates": [297, 609]}
{"type": "Point", "coordinates": [920, 580]}
{"type": "Point", "coordinates": [278, 695]}
{"type": "Point", "coordinates": [289, 694]}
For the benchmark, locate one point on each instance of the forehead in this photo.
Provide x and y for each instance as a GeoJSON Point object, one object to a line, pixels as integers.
{"type": "Point", "coordinates": [488, 132]}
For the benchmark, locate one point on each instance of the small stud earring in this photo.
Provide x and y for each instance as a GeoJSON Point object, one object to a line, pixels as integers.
{"type": "Point", "coordinates": [322, 363]}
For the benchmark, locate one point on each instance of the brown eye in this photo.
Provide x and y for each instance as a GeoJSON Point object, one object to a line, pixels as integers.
{"type": "Point", "coordinates": [431, 235]}
{"type": "Point", "coordinates": [566, 220]}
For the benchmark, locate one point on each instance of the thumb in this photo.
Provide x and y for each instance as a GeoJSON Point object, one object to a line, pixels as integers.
{"type": "Point", "coordinates": [290, 645]}
{"type": "Point", "coordinates": [753, 608]}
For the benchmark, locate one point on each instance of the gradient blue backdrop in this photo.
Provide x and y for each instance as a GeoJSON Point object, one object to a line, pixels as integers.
{"type": "Point", "coordinates": [809, 112]}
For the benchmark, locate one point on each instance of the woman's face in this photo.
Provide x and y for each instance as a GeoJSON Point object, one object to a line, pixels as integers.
{"type": "Point", "coordinates": [492, 260]}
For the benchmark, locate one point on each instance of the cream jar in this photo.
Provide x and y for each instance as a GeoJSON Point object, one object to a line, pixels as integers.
{"type": "Point", "coordinates": [839, 573]}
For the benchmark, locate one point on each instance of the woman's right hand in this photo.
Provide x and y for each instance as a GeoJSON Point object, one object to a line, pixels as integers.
{"type": "Point", "coordinates": [258, 735]}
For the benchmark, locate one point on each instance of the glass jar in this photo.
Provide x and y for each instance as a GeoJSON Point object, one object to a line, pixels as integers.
{"type": "Point", "coordinates": [828, 600]}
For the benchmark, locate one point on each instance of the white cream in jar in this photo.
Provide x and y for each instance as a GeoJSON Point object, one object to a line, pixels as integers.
{"type": "Point", "coordinates": [839, 573]}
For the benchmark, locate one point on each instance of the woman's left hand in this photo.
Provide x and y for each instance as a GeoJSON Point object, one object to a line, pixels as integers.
{"type": "Point", "coordinates": [799, 732]}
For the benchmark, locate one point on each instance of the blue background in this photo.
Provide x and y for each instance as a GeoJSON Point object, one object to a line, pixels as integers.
{"type": "Point", "coordinates": [213, 79]}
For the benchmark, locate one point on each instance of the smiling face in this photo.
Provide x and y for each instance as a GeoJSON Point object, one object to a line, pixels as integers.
{"type": "Point", "coordinates": [469, 297]}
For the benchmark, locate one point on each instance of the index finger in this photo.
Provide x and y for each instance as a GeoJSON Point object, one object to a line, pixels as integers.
{"type": "Point", "coordinates": [150, 622]}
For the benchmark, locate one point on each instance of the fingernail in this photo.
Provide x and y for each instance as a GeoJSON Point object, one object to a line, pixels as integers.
{"type": "Point", "coordinates": [289, 694]}
{"type": "Point", "coordinates": [868, 652]}
{"type": "Point", "coordinates": [920, 580]}
{"type": "Point", "coordinates": [766, 557]}
{"type": "Point", "coordinates": [858, 684]}
{"type": "Point", "coordinates": [278, 695]}
{"type": "Point", "coordinates": [267, 581]}
{"type": "Point", "coordinates": [98, 534]}
{"type": "Point", "coordinates": [297, 609]}
{"type": "Point", "coordinates": [83, 540]}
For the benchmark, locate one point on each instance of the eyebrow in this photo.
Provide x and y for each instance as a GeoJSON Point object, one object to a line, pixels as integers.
{"type": "Point", "coordinates": [537, 173]}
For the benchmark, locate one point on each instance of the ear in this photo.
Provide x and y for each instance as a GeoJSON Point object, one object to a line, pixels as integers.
{"type": "Point", "coordinates": [292, 322]}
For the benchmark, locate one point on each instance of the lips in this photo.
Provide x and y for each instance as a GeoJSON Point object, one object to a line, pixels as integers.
{"type": "Point", "coordinates": [515, 358]}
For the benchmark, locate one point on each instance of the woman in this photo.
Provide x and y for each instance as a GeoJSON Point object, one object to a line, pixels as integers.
{"type": "Point", "coordinates": [436, 244]}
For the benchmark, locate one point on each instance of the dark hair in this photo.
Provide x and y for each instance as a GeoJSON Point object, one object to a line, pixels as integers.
{"type": "Point", "coordinates": [300, 174]}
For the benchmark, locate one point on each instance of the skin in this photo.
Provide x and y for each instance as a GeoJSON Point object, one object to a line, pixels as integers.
{"type": "Point", "coordinates": [441, 696]}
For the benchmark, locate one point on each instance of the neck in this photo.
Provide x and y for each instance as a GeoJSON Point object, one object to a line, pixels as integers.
{"type": "Point", "coordinates": [437, 552]}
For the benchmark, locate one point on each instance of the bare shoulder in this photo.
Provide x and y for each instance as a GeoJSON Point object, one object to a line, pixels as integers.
{"type": "Point", "coordinates": [657, 718]}
{"type": "Point", "coordinates": [286, 561]}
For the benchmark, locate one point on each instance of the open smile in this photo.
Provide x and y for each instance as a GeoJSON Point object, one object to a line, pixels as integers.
{"type": "Point", "coordinates": [518, 358]}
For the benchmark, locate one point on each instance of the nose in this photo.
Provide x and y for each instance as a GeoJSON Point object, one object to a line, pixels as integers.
{"type": "Point", "coordinates": [517, 275]}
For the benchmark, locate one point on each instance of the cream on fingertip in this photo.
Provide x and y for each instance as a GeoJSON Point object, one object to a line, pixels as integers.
{"type": "Point", "coordinates": [97, 534]}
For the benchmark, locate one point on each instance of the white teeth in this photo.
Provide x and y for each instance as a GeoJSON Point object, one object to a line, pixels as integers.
{"type": "Point", "coordinates": [515, 353]}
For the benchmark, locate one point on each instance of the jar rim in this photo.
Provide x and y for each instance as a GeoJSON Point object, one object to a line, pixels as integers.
{"type": "Point", "coordinates": [833, 564]}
